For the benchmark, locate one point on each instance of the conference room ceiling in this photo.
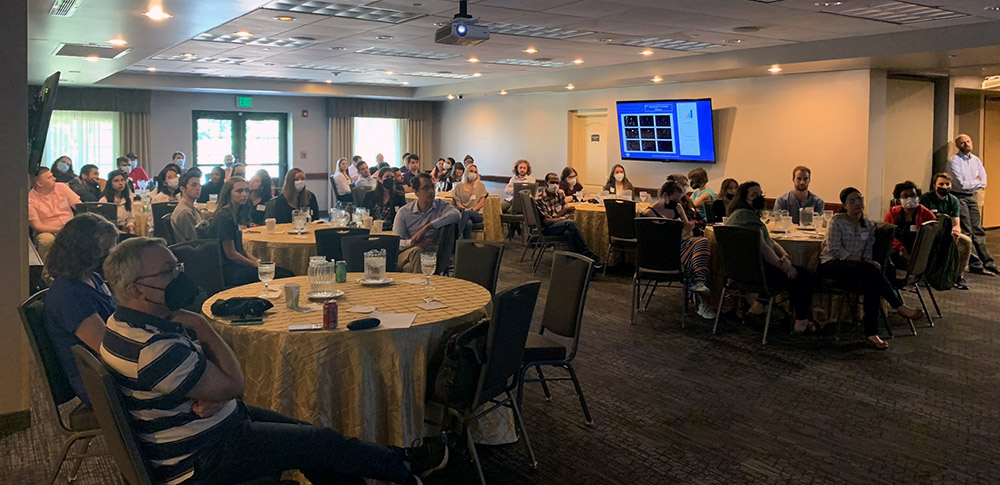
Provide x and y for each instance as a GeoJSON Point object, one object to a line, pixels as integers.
{"type": "Point", "coordinates": [386, 48]}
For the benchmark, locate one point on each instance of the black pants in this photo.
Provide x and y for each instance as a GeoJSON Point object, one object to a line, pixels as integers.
{"type": "Point", "coordinates": [574, 238]}
{"type": "Point", "coordinates": [799, 290]}
{"type": "Point", "coordinates": [240, 274]}
{"type": "Point", "coordinates": [268, 443]}
{"type": "Point", "coordinates": [971, 221]}
{"type": "Point", "coordinates": [870, 281]}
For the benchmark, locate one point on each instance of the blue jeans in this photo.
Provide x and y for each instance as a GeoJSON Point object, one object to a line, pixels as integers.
{"type": "Point", "coordinates": [469, 217]}
{"type": "Point", "coordinates": [574, 238]}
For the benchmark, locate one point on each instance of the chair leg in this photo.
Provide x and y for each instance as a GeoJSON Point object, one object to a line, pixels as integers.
{"type": "Point", "coordinates": [913, 328]}
{"type": "Point", "coordinates": [524, 433]}
{"type": "Point", "coordinates": [649, 297]}
{"type": "Point", "coordinates": [767, 320]}
{"type": "Point", "coordinates": [684, 312]}
{"type": "Point", "coordinates": [579, 393]}
{"type": "Point", "coordinates": [475, 456]}
{"type": "Point", "coordinates": [923, 305]}
{"type": "Point", "coordinates": [930, 292]}
{"type": "Point", "coordinates": [79, 461]}
{"type": "Point", "coordinates": [718, 311]}
{"type": "Point", "coordinates": [520, 385]}
{"type": "Point", "coordinates": [635, 298]}
{"type": "Point", "coordinates": [54, 474]}
{"type": "Point", "coordinates": [524, 253]}
{"type": "Point", "coordinates": [545, 386]}
{"type": "Point", "coordinates": [610, 246]}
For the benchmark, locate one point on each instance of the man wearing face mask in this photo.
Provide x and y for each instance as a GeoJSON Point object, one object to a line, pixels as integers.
{"type": "Point", "coordinates": [800, 197]}
{"type": "Point", "coordinates": [907, 217]}
{"type": "Point", "coordinates": [160, 353]}
{"type": "Point", "coordinates": [137, 173]}
{"type": "Point", "coordinates": [87, 185]}
{"type": "Point", "coordinates": [940, 201]}
{"type": "Point", "coordinates": [178, 158]}
{"type": "Point", "coordinates": [557, 219]}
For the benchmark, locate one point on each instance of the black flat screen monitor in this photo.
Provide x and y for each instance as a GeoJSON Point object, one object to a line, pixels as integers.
{"type": "Point", "coordinates": [39, 113]}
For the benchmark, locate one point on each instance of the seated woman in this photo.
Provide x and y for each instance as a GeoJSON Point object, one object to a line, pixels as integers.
{"type": "Point", "coordinates": [907, 217]}
{"type": "Point", "coordinates": [440, 169]}
{"type": "Point", "coordinates": [261, 192]}
{"type": "Point", "coordinates": [692, 212]}
{"type": "Point", "coordinates": [570, 184]}
{"type": "Point", "coordinates": [384, 199]}
{"type": "Point", "coordinates": [456, 175]}
{"type": "Point", "coordinates": [214, 184]}
{"type": "Point", "coordinates": [294, 195]}
{"type": "Point", "coordinates": [167, 183]}
{"type": "Point", "coordinates": [238, 170]}
{"type": "Point", "coordinates": [703, 196]}
{"type": "Point", "coordinates": [847, 258]}
{"type": "Point", "coordinates": [238, 267]}
{"type": "Point", "coordinates": [116, 192]}
{"type": "Point", "coordinates": [618, 181]}
{"type": "Point", "coordinates": [470, 196]}
{"type": "Point", "coordinates": [778, 268]}
{"type": "Point", "coordinates": [341, 182]}
{"type": "Point", "coordinates": [78, 302]}
{"type": "Point", "coordinates": [695, 251]}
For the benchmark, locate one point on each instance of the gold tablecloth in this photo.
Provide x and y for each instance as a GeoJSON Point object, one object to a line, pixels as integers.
{"type": "Point", "coordinates": [492, 229]}
{"type": "Point", "coordinates": [593, 223]}
{"type": "Point", "coordinates": [141, 219]}
{"type": "Point", "coordinates": [368, 384]}
{"type": "Point", "coordinates": [284, 248]}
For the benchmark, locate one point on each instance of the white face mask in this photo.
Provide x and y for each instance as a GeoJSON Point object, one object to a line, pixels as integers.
{"type": "Point", "coordinates": [910, 203]}
{"type": "Point", "coordinates": [172, 183]}
{"type": "Point", "coordinates": [571, 181]}
{"type": "Point", "coordinates": [299, 185]}
{"type": "Point", "coordinates": [552, 188]}
{"type": "Point", "coordinates": [472, 176]}
{"type": "Point", "coordinates": [62, 166]}
{"type": "Point", "coordinates": [619, 176]}
{"type": "Point", "coordinates": [447, 166]}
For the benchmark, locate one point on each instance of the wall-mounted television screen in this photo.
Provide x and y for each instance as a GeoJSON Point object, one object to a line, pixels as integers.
{"type": "Point", "coordinates": [678, 130]}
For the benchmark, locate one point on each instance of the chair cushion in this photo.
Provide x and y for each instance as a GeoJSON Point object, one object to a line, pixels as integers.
{"type": "Point", "coordinates": [540, 347]}
{"type": "Point", "coordinates": [82, 418]}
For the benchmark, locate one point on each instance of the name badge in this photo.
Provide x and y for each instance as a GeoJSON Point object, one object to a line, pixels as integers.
{"type": "Point", "coordinates": [913, 228]}
{"type": "Point", "coordinates": [472, 197]}
{"type": "Point", "coordinates": [261, 207]}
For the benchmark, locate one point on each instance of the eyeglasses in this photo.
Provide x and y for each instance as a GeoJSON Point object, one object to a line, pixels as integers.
{"type": "Point", "coordinates": [172, 272]}
{"type": "Point", "coordinates": [858, 201]}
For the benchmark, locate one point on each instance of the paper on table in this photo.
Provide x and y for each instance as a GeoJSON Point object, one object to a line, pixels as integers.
{"type": "Point", "coordinates": [361, 309]}
{"type": "Point", "coordinates": [395, 320]}
{"type": "Point", "coordinates": [415, 281]}
{"type": "Point", "coordinates": [434, 305]}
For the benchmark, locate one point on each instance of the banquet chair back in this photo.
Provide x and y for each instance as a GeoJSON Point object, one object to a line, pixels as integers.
{"type": "Point", "coordinates": [355, 247]}
{"type": "Point", "coordinates": [202, 260]}
{"type": "Point", "coordinates": [718, 210]}
{"type": "Point", "coordinates": [881, 246]}
{"type": "Point", "coordinates": [658, 260]}
{"type": "Point", "coordinates": [159, 209]}
{"type": "Point", "coordinates": [168, 229]}
{"type": "Point", "coordinates": [106, 210]}
{"type": "Point", "coordinates": [359, 192]}
{"type": "Point", "coordinates": [741, 261]}
{"type": "Point", "coordinates": [479, 262]}
{"type": "Point", "coordinates": [922, 248]}
{"type": "Point", "coordinates": [620, 214]}
{"type": "Point", "coordinates": [446, 236]}
{"type": "Point", "coordinates": [328, 241]}
{"type": "Point", "coordinates": [517, 206]}
{"type": "Point", "coordinates": [118, 434]}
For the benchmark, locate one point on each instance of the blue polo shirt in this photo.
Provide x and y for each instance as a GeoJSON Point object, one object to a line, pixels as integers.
{"type": "Point", "coordinates": [67, 304]}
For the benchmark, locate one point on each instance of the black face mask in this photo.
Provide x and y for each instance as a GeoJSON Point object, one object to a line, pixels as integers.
{"type": "Point", "coordinates": [758, 204]}
{"type": "Point", "coordinates": [943, 192]}
{"type": "Point", "coordinates": [389, 184]}
{"type": "Point", "coordinates": [730, 196]}
{"type": "Point", "coordinates": [181, 292]}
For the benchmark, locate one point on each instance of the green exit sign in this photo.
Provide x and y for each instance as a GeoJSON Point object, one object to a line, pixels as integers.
{"type": "Point", "coordinates": [244, 102]}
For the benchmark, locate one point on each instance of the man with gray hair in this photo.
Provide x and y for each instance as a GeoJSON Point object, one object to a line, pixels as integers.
{"type": "Point", "coordinates": [183, 392]}
{"type": "Point", "coordinates": [969, 185]}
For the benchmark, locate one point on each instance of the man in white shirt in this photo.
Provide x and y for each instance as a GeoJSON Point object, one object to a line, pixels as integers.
{"type": "Point", "coordinates": [352, 169]}
{"type": "Point", "coordinates": [364, 178]}
{"type": "Point", "coordinates": [969, 184]}
{"type": "Point", "coordinates": [50, 207]}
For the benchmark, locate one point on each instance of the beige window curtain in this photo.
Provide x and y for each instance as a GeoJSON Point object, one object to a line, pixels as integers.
{"type": "Point", "coordinates": [341, 140]}
{"type": "Point", "coordinates": [135, 138]}
{"type": "Point", "coordinates": [415, 138]}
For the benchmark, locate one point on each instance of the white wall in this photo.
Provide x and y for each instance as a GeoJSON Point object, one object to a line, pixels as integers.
{"type": "Point", "coordinates": [170, 128]}
{"type": "Point", "coordinates": [764, 127]}
{"type": "Point", "coordinates": [909, 135]}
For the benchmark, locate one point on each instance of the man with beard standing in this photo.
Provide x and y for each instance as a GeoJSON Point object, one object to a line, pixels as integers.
{"type": "Point", "coordinates": [969, 184]}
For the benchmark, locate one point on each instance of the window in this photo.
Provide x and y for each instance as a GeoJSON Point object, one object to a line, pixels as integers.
{"type": "Point", "coordinates": [376, 135]}
{"type": "Point", "coordinates": [85, 137]}
{"type": "Point", "coordinates": [258, 140]}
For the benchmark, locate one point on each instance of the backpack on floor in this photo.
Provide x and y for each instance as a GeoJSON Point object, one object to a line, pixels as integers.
{"type": "Point", "coordinates": [456, 365]}
{"type": "Point", "coordinates": [942, 271]}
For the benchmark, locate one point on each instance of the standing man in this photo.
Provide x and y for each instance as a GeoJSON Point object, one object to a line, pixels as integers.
{"type": "Point", "coordinates": [185, 217]}
{"type": "Point", "coordinates": [968, 184]}
{"type": "Point", "coordinates": [800, 197]}
{"type": "Point", "coordinates": [50, 207]}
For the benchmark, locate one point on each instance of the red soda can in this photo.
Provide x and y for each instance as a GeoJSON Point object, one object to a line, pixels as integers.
{"type": "Point", "coordinates": [330, 315]}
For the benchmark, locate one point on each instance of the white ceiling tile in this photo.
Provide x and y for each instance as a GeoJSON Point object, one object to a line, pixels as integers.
{"type": "Point", "coordinates": [590, 8]}
{"type": "Point", "coordinates": [424, 6]}
{"type": "Point", "coordinates": [532, 5]}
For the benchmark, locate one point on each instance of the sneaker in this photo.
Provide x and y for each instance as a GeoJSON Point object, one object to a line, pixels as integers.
{"type": "Point", "coordinates": [706, 311]}
{"type": "Point", "coordinates": [992, 268]}
{"type": "Point", "coordinates": [699, 287]}
{"type": "Point", "coordinates": [962, 284]}
{"type": "Point", "coordinates": [427, 456]}
{"type": "Point", "coordinates": [980, 271]}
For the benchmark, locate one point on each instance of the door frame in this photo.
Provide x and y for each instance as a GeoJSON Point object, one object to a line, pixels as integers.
{"type": "Point", "coordinates": [239, 119]}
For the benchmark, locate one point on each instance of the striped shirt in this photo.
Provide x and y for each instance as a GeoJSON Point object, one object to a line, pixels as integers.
{"type": "Point", "coordinates": [155, 364]}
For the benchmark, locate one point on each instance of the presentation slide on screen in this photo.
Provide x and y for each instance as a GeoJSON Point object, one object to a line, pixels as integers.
{"type": "Point", "coordinates": [666, 130]}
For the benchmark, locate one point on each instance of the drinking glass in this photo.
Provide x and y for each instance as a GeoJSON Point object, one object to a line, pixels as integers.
{"type": "Point", "coordinates": [375, 265]}
{"type": "Point", "coordinates": [265, 272]}
{"type": "Point", "coordinates": [827, 217]}
{"type": "Point", "coordinates": [308, 213]}
{"type": "Point", "coordinates": [298, 223]}
{"type": "Point", "coordinates": [765, 215]}
{"type": "Point", "coordinates": [142, 185]}
{"type": "Point", "coordinates": [428, 263]}
{"type": "Point", "coordinates": [644, 196]}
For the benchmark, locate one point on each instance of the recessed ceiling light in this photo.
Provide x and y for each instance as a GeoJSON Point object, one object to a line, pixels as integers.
{"type": "Point", "coordinates": [384, 37]}
{"type": "Point", "coordinates": [243, 33]}
{"type": "Point", "coordinates": [477, 74]}
{"type": "Point", "coordinates": [188, 54]}
{"type": "Point", "coordinates": [338, 48]}
{"type": "Point", "coordinates": [503, 92]}
{"type": "Point", "coordinates": [284, 18]}
{"type": "Point", "coordinates": [473, 59]}
{"type": "Point", "coordinates": [222, 75]}
{"type": "Point", "coordinates": [774, 69]}
{"type": "Point", "coordinates": [657, 79]}
{"type": "Point", "coordinates": [151, 69]}
{"type": "Point", "coordinates": [570, 87]}
{"type": "Point", "coordinates": [604, 39]}
{"type": "Point", "coordinates": [647, 52]}
{"type": "Point", "coordinates": [993, 8]}
{"type": "Point", "coordinates": [389, 73]}
{"type": "Point", "coordinates": [450, 97]}
{"type": "Point", "coordinates": [734, 41]}
{"type": "Point", "coordinates": [117, 41]}
{"type": "Point", "coordinates": [156, 13]}
{"type": "Point", "coordinates": [531, 50]}
{"type": "Point", "coordinates": [328, 81]}
{"type": "Point", "coordinates": [828, 4]}
{"type": "Point", "coordinates": [92, 58]}
{"type": "Point", "coordinates": [440, 24]}
{"type": "Point", "coordinates": [578, 61]}
{"type": "Point", "coordinates": [405, 83]}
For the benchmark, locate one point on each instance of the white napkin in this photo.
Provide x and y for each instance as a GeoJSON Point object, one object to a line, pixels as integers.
{"type": "Point", "coordinates": [434, 305]}
{"type": "Point", "coordinates": [395, 320]}
{"type": "Point", "coordinates": [361, 309]}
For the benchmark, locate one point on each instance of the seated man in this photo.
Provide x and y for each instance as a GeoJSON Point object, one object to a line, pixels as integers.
{"type": "Point", "coordinates": [365, 178]}
{"type": "Point", "coordinates": [185, 217]}
{"type": "Point", "coordinates": [942, 202]}
{"type": "Point", "coordinates": [411, 167]}
{"type": "Point", "coordinates": [907, 217]}
{"type": "Point", "coordinates": [88, 184]}
{"type": "Point", "coordinates": [800, 197]}
{"type": "Point", "coordinates": [557, 218]}
{"type": "Point", "coordinates": [417, 223]}
{"type": "Point", "coordinates": [50, 207]}
{"type": "Point", "coordinates": [183, 385]}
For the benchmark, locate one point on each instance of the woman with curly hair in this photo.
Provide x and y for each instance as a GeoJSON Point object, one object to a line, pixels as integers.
{"type": "Point", "coordinates": [78, 303]}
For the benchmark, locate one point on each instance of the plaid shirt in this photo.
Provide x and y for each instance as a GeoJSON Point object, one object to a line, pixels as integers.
{"type": "Point", "coordinates": [845, 239]}
{"type": "Point", "coordinates": [550, 204]}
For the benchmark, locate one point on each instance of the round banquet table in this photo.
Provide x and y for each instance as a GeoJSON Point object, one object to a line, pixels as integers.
{"type": "Point", "coordinates": [593, 223]}
{"type": "Point", "coordinates": [492, 229]}
{"type": "Point", "coordinates": [367, 384]}
{"type": "Point", "coordinates": [284, 247]}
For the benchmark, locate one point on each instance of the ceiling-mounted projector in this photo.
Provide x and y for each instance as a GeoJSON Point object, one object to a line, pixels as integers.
{"type": "Point", "coordinates": [462, 30]}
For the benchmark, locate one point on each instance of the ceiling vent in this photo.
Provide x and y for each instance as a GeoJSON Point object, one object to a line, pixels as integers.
{"type": "Point", "coordinates": [669, 44]}
{"type": "Point", "coordinates": [343, 10]}
{"type": "Point", "coordinates": [64, 8]}
{"type": "Point", "coordinates": [899, 13]}
{"type": "Point", "coordinates": [90, 50]}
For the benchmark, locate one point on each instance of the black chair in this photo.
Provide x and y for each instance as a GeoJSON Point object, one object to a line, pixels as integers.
{"type": "Point", "coordinates": [658, 261]}
{"type": "Point", "coordinates": [80, 424]}
{"type": "Point", "coordinates": [536, 239]}
{"type": "Point", "coordinates": [168, 229]}
{"type": "Point", "coordinates": [106, 210]}
{"type": "Point", "coordinates": [915, 273]}
{"type": "Point", "coordinates": [359, 192]}
{"type": "Point", "coordinates": [355, 247]}
{"type": "Point", "coordinates": [507, 334]}
{"type": "Point", "coordinates": [447, 236]}
{"type": "Point", "coordinates": [621, 228]}
{"type": "Point", "coordinates": [562, 317]}
{"type": "Point", "coordinates": [328, 241]}
{"type": "Point", "coordinates": [159, 209]}
{"type": "Point", "coordinates": [202, 260]}
{"type": "Point", "coordinates": [718, 209]}
{"type": "Point", "coordinates": [515, 217]}
{"type": "Point", "coordinates": [743, 270]}
{"type": "Point", "coordinates": [479, 262]}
